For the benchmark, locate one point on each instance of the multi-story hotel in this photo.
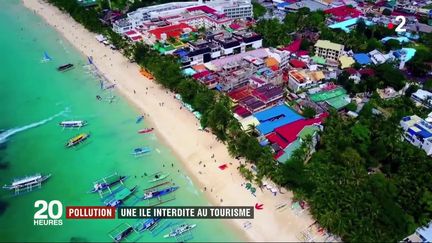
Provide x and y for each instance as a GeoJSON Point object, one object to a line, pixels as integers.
{"type": "Point", "coordinates": [215, 13]}
{"type": "Point", "coordinates": [328, 50]}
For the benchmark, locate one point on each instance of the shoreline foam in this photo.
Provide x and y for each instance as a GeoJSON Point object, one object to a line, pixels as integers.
{"type": "Point", "coordinates": [176, 129]}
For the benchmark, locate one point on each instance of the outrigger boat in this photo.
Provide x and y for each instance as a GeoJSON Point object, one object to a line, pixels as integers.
{"type": "Point", "coordinates": [72, 124]}
{"type": "Point", "coordinates": [107, 183]}
{"type": "Point", "coordinates": [121, 232]}
{"type": "Point", "coordinates": [147, 224]}
{"type": "Point", "coordinates": [66, 67]}
{"type": "Point", "coordinates": [146, 130]}
{"type": "Point", "coordinates": [159, 176]}
{"type": "Point", "coordinates": [180, 230]}
{"type": "Point", "coordinates": [120, 197]}
{"type": "Point", "coordinates": [77, 140]}
{"type": "Point", "coordinates": [27, 182]}
{"type": "Point", "coordinates": [158, 193]}
{"type": "Point", "coordinates": [139, 119]}
{"type": "Point", "coordinates": [140, 151]}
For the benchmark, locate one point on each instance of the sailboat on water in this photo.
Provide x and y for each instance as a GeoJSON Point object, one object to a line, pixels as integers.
{"type": "Point", "coordinates": [46, 57]}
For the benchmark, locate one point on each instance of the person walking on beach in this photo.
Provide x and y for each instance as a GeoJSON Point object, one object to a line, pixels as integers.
{"type": "Point", "coordinates": [134, 92]}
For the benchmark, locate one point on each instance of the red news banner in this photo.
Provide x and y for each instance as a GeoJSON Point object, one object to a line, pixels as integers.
{"type": "Point", "coordinates": [93, 212]}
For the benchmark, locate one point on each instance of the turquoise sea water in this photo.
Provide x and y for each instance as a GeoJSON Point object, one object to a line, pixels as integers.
{"type": "Point", "coordinates": [31, 91]}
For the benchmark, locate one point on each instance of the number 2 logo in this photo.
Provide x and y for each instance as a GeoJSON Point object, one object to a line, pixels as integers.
{"type": "Point", "coordinates": [402, 20]}
{"type": "Point", "coordinates": [40, 214]}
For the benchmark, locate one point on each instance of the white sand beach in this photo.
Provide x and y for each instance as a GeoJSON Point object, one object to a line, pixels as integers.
{"type": "Point", "coordinates": [178, 128]}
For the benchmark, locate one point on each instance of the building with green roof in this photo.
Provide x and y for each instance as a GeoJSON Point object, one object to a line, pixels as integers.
{"type": "Point", "coordinates": [336, 98]}
{"type": "Point", "coordinates": [289, 150]}
{"type": "Point", "coordinates": [319, 60]}
{"type": "Point", "coordinates": [326, 95]}
{"type": "Point", "coordinates": [338, 102]}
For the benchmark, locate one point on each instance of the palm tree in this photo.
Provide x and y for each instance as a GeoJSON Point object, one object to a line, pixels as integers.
{"type": "Point", "coordinates": [234, 128]}
{"type": "Point", "coordinates": [251, 129]}
{"type": "Point", "coordinates": [232, 149]}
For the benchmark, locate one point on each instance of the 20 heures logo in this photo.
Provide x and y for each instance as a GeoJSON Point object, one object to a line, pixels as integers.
{"type": "Point", "coordinates": [49, 213]}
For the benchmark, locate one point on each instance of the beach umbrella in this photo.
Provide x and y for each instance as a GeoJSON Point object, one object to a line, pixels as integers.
{"type": "Point", "coordinates": [248, 185]}
{"type": "Point", "coordinates": [253, 189]}
{"type": "Point", "coordinates": [223, 167]}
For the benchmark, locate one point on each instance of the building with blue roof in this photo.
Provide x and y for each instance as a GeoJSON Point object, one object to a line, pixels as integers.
{"type": "Point", "coordinates": [362, 58]}
{"type": "Point", "coordinates": [281, 6]}
{"type": "Point", "coordinates": [418, 132]}
{"type": "Point", "coordinates": [407, 54]}
{"type": "Point", "coordinates": [348, 24]}
{"type": "Point", "coordinates": [401, 39]}
{"type": "Point", "coordinates": [275, 117]}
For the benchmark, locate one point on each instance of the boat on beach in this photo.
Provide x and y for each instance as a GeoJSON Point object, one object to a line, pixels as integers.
{"type": "Point", "coordinates": [77, 140]}
{"type": "Point", "coordinates": [106, 183]}
{"type": "Point", "coordinates": [146, 130]}
{"type": "Point", "coordinates": [146, 224]}
{"type": "Point", "coordinates": [180, 230]}
{"type": "Point", "coordinates": [139, 119]}
{"type": "Point", "coordinates": [119, 197]}
{"type": "Point", "coordinates": [159, 176]}
{"type": "Point", "coordinates": [73, 124]}
{"type": "Point", "coordinates": [65, 67]}
{"type": "Point", "coordinates": [141, 151]}
{"type": "Point", "coordinates": [158, 193]}
{"type": "Point", "coordinates": [27, 182]}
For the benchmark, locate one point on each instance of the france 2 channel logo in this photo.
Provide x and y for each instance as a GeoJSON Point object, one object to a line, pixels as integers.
{"type": "Point", "coordinates": [49, 214]}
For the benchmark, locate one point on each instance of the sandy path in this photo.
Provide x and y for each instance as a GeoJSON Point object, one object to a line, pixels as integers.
{"type": "Point", "coordinates": [178, 128]}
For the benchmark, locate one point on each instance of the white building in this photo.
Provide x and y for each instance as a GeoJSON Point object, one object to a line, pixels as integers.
{"type": "Point", "coordinates": [379, 58]}
{"type": "Point", "coordinates": [298, 80]}
{"type": "Point", "coordinates": [180, 12]}
{"type": "Point", "coordinates": [422, 234]}
{"type": "Point", "coordinates": [418, 132]}
{"type": "Point", "coordinates": [328, 50]}
{"type": "Point", "coordinates": [137, 17]}
{"type": "Point", "coordinates": [422, 97]}
{"type": "Point", "coordinates": [233, 8]}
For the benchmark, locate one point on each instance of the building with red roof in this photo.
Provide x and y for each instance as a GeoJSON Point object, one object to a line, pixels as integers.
{"type": "Point", "coordinates": [203, 8]}
{"type": "Point", "coordinates": [170, 31]}
{"type": "Point", "coordinates": [286, 134]}
{"type": "Point", "coordinates": [343, 13]}
{"type": "Point", "coordinates": [295, 63]}
{"type": "Point", "coordinates": [293, 47]}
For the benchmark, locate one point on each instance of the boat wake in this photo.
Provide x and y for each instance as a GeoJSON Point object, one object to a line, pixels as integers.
{"type": "Point", "coordinates": [10, 132]}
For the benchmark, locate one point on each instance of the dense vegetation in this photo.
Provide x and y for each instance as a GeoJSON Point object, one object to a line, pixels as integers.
{"type": "Point", "coordinates": [258, 10]}
{"type": "Point", "coordinates": [362, 39]}
{"type": "Point", "coordinates": [363, 183]}
{"type": "Point", "coordinates": [383, 205]}
{"type": "Point", "coordinates": [384, 75]}
{"type": "Point", "coordinates": [275, 33]}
